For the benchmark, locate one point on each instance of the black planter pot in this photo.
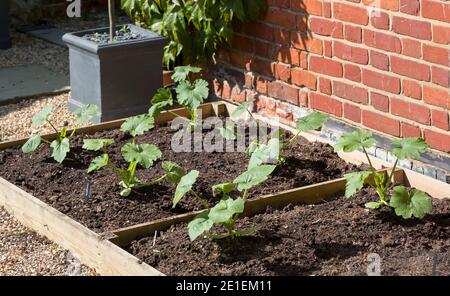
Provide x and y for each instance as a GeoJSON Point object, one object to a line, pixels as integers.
{"type": "Point", "coordinates": [120, 77]}
{"type": "Point", "coordinates": [5, 41]}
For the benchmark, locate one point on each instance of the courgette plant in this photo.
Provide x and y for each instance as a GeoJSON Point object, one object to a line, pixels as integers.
{"type": "Point", "coordinates": [226, 212]}
{"type": "Point", "coordinates": [61, 145]}
{"type": "Point", "coordinates": [135, 154]}
{"type": "Point", "coordinates": [273, 151]}
{"type": "Point", "coordinates": [406, 202]}
{"type": "Point", "coordinates": [190, 94]}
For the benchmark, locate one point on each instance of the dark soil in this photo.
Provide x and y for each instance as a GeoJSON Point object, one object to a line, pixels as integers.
{"type": "Point", "coordinates": [124, 34]}
{"type": "Point", "coordinates": [333, 238]}
{"type": "Point", "coordinates": [63, 185]}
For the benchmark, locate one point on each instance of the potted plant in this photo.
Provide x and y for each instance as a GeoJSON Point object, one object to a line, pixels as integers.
{"type": "Point", "coordinates": [5, 41]}
{"type": "Point", "coordinates": [117, 68]}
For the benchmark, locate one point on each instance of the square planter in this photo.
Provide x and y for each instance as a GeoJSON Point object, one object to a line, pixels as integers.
{"type": "Point", "coordinates": [120, 77]}
{"type": "Point", "coordinates": [5, 41]}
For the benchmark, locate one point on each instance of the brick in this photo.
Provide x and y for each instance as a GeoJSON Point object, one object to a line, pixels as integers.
{"type": "Point", "coordinates": [440, 76]}
{"type": "Point", "coordinates": [327, 9]}
{"type": "Point", "coordinates": [410, 69]}
{"type": "Point", "coordinates": [261, 85]}
{"type": "Point", "coordinates": [410, 131]}
{"type": "Point", "coordinates": [352, 72]}
{"type": "Point", "coordinates": [412, 89]}
{"type": "Point", "coordinates": [384, 4]}
{"type": "Point", "coordinates": [379, 20]}
{"type": "Point", "coordinates": [282, 37]}
{"type": "Point", "coordinates": [436, 96]}
{"type": "Point", "coordinates": [243, 43]}
{"type": "Point", "coordinates": [303, 98]}
{"type": "Point", "coordinates": [353, 33]}
{"type": "Point", "coordinates": [303, 60]}
{"type": "Point", "coordinates": [437, 55]}
{"type": "Point", "coordinates": [313, 7]}
{"type": "Point", "coordinates": [382, 41]}
{"type": "Point", "coordinates": [264, 49]}
{"type": "Point", "coordinates": [259, 30]}
{"type": "Point", "coordinates": [325, 66]}
{"type": "Point", "coordinates": [415, 112]}
{"type": "Point", "coordinates": [289, 56]}
{"type": "Point", "coordinates": [350, 92]}
{"type": "Point", "coordinates": [411, 48]}
{"type": "Point", "coordinates": [280, 3]}
{"type": "Point", "coordinates": [240, 60]}
{"type": "Point", "coordinates": [328, 48]}
{"type": "Point", "coordinates": [411, 7]}
{"type": "Point", "coordinates": [439, 119]}
{"type": "Point", "coordinates": [436, 140]}
{"type": "Point", "coordinates": [352, 112]}
{"type": "Point", "coordinates": [249, 80]}
{"type": "Point", "coordinates": [302, 77]}
{"type": "Point", "coordinates": [413, 28]}
{"type": "Point", "coordinates": [282, 72]}
{"type": "Point", "coordinates": [350, 53]}
{"type": "Point", "coordinates": [279, 90]}
{"type": "Point", "coordinates": [381, 81]}
{"type": "Point", "coordinates": [326, 104]}
{"type": "Point", "coordinates": [441, 34]}
{"type": "Point", "coordinates": [262, 67]}
{"type": "Point", "coordinates": [305, 42]}
{"type": "Point", "coordinates": [381, 123]}
{"type": "Point", "coordinates": [326, 27]}
{"type": "Point", "coordinates": [238, 94]}
{"type": "Point", "coordinates": [302, 23]}
{"type": "Point", "coordinates": [325, 86]}
{"type": "Point", "coordinates": [379, 60]}
{"type": "Point", "coordinates": [436, 10]}
{"type": "Point", "coordinates": [349, 13]}
{"type": "Point", "coordinates": [281, 18]}
{"type": "Point", "coordinates": [379, 101]}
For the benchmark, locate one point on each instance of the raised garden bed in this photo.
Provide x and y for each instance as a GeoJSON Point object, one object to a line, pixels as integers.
{"type": "Point", "coordinates": [63, 185]}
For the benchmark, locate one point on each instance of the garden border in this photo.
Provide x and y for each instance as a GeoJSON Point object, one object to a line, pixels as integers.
{"type": "Point", "coordinates": [101, 252]}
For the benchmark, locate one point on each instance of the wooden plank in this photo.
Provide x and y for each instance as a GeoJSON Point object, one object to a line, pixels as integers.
{"type": "Point", "coordinates": [310, 194]}
{"type": "Point", "coordinates": [92, 250]}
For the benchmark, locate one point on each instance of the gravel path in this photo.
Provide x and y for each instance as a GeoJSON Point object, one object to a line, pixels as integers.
{"type": "Point", "coordinates": [23, 252]}
{"type": "Point", "coordinates": [16, 118]}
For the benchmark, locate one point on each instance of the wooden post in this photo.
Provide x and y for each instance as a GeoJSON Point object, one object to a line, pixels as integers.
{"type": "Point", "coordinates": [112, 19]}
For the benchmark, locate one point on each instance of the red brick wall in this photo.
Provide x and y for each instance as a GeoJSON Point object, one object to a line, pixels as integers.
{"type": "Point", "coordinates": [383, 68]}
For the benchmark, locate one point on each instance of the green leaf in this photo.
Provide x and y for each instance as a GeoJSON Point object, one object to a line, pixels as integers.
{"type": "Point", "coordinates": [373, 205]}
{"type": "Point", "coordinates": [242, 108]}
{"type": "Point", "coordinates": [96, 144]}
{"type": "Point", "coordinates": [40, 117]}
{"type": "Point", "coordinates": [253, 176]}
{"type": "Point", "coordinates": [160, 101]}
{"type": "Point", "coordinates": [173, 171]}
{"type": "Point", "coordinates": [408, 148]}
{"type": "Point", "coordinates": [199, 225]}
{"type": "Point", "coordinates": [410, 202]}
{"type": "Point", "coordinates": [312, 121]}
{"type": "Point", "coordinates": [184, 186]}
{"type": "Point", "coordinates": [60, 148]}
{"type": "Point", "coordinates": [226, 209]}
{"type": "Point", "coordinates": [32, 143]}
{"type": "Point", "coordinates": [85, 113]}
{"type": "Point", "coordinates": [182, 72]}
{"type": "Point", "coordinates": [138, 125]}
{"type": "Point", "coordinates": [227, 132]}
{"type": "Point", "coordinates": [223, 188]}
{"type": "Point", "coordinates": [354, 182]}
{"type": "Point", "coordinates": [125, 192]}
{"type": "Point", "coordinates": [252, 147]}
{"type": "Point", "coordinates": [192, 96]}
{"type": "Point", "coordinates": [98, 162]}
{"type": "Point", "coordinates": [355, 140]}
{"type": "Point", "coordinates": [265, 153]}
{"type": "Point", "coordinates": [144, 154]}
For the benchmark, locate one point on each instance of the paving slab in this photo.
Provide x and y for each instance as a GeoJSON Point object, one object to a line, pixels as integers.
{"type": "Point", "coordinates": [30, 80]}
{"type": "Point", "coordinates": [52, 35]}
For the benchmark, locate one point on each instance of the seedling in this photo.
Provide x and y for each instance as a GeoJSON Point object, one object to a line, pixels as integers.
{"type": "Point", "coordinates": [406, 202]}
{"type": "Point", "coordinates": [61, 145]}
{"type": "Point", "coordinates": [135, 154]}
{"type": "Point", "coordinates": [190, 94]}
{"type": "Point", "coordinates": [226, 212]}
{"type": "Point", "coordinates": [273, 150]}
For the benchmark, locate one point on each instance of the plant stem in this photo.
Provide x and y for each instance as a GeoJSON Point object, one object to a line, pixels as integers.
{"type": "Point", "coordinates": [46, 141]}
{"type": "Point", "coordinates": [245, 195]}
{"type": "Point", "coordinates": [72, 133]}
{"type": "Point", "coordinates": [291, 139]}
{"type": "Point", "coordinates": [112, 19]}
{"type": "Point", "coordinates": [389, 181]}
{"type": "Point", "coordinates": [205, 205]}
{"type": "Point", "coordinates": [151, 182]}
{"type": "Point", "coordinates": [53, 127]}
{"type": "Point", "coordinates": [370, 162]}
